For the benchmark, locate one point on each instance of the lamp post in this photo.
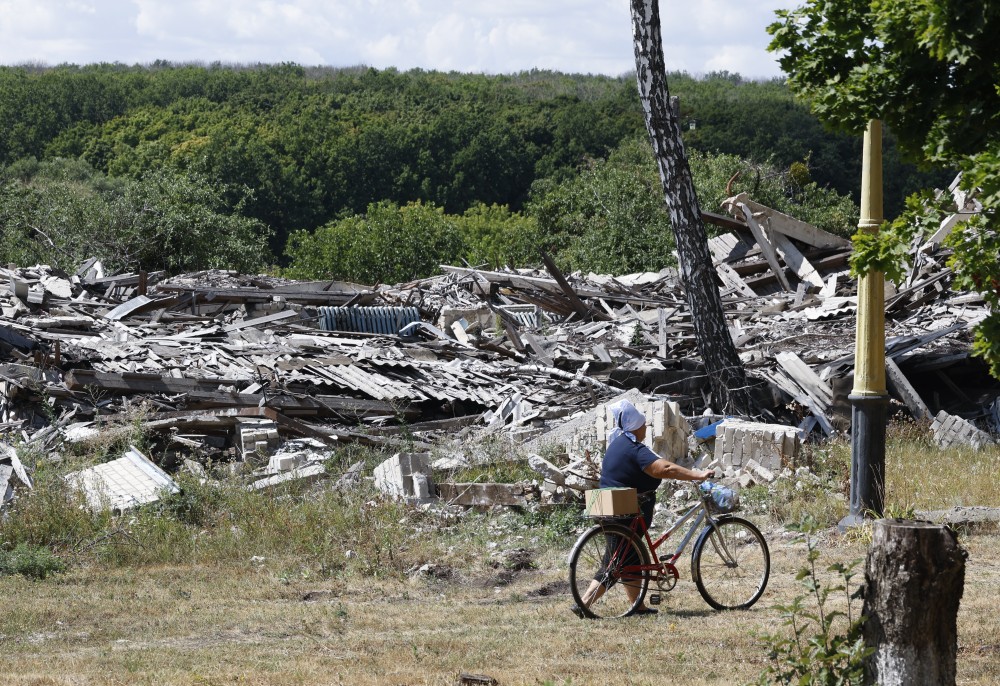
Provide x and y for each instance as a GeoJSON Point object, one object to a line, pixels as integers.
{"type": "Point", "coordinates": [869, 398]}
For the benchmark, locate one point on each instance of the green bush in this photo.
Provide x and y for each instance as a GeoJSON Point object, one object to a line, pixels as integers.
{"type": "Point", "coordinates": [61, 212]}
{"type": "Point", "coordinates": [33, 562]}
{"type": "Point", "coordinates": [388, 244]}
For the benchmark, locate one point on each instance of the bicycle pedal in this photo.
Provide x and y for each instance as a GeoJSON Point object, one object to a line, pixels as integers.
{"type": "Point", "coordinates": [654, 598]}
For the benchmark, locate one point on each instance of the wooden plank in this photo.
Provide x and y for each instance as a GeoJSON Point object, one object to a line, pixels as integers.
{"type": "Point", "coordinates": [901, 385]}
{"type": "Point", "coordinates": [79, 379]}
{"type": "Point", "coordinates": [578, 305]}
{"type": "Point", "coordinates": [602, 353]}
{"type": "Point", "coordinates": [732, 279]}
{"type": "Point", "coordinates": [791, 387]}
{"type": "Point", "coordinates": [722, 220]}
{"type": "Point", "coordinates": [766, 247]}
{"type": "Point", "coordinates": [806, 377]}
{"type": "Point", "coordinates": [482, 494]}
{"type": "Point", "coordinates": [267, 319]}
{"type": "Point", "coordinates": [794, 258]}
{"type": "Point", "coordinates": [257, 295]}
{"type": "Point", "coordinates": [787, 225]}
{"type": "Point", "coordinates": [662, 316]}
{"type": "Point", "coordinates": [537, 348]}
{"type": "Point", "coordinates": [204, 392]}
{"type": "Point", "coordinates": [825, 265]}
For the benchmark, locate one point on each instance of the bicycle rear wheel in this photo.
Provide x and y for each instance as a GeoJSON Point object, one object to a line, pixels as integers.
{"type": "Point", "coordinates": [600, 571]}
{"type": "Point", "coordinates": [731, 564]}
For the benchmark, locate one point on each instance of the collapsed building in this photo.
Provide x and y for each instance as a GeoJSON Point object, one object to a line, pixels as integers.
{"type": "Point", "coordinates": [263, 375]}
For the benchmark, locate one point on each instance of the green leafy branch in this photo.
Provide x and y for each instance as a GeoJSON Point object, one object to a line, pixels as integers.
{"type": "Point", "coordinates": [826, 645]}
{"type": "Point", "coordinates": [887, 250]}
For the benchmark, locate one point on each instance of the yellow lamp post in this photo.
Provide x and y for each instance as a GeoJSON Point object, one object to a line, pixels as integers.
{"type": "Point", "coordinates": [869, 398]}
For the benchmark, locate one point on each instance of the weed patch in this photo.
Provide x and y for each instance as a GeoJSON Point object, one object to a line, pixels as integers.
{"type": "Point", "coordinates": [826, 644]}
{"type": "Point", "coordinates": [33, 562]}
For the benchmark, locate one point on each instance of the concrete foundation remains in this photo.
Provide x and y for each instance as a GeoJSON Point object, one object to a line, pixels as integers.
{"type": "Point", "coordinates": [406, 476]}
{"type": "Point", "coordinates": [768, 446]}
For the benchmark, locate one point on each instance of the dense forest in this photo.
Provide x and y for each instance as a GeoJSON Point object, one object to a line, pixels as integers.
{"type": "Point", "coordinates": [379, 175]}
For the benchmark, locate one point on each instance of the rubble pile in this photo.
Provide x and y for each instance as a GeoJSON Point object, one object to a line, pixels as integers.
{"type": "Point", "coordinates": [224, 368]}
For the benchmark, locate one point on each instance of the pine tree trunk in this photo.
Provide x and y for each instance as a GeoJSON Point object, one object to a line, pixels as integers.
{"type": "Point", "coordinates": [914, 578]}
{"type": "Point", "coordinates": [726, 376]}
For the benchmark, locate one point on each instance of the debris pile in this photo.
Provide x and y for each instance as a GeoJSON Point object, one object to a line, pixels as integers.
{"type": "Point", "coordinates": [223, 368]}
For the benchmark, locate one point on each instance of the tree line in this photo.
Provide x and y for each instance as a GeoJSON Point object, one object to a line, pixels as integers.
{"type": "Point", "coordinates": [378, 175]}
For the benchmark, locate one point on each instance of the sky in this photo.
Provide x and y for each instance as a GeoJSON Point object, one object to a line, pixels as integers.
{"type": "Point", "coordinates": [482, 36]}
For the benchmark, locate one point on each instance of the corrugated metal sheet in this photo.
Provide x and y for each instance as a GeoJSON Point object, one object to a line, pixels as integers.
{"type": "Point", "coordinates": [526, 315]}
{"type": "Point", "coordinates": [386, 320]}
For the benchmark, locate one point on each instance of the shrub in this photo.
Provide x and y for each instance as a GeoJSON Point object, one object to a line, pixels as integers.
{"type": "Point", "coordinates": [31, 561]}
{"type": "Point", "coordinates": [826, 646]}
{"type": "Point", "coordinates": [388, 244]}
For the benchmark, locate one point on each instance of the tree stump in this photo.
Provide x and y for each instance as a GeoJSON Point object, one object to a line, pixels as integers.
{"type": "Point", "coordinates": [914, 578]}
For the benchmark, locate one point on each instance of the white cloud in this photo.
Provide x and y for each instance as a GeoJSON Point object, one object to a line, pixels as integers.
{"type": "Point", "coordinates": [493, 36]}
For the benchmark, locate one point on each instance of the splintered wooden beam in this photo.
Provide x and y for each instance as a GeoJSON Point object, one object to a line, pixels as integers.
{"type": "Point", "coordinates": [900, 384]}
{"type": "Point", "coordinates": [578, 305]}
{"type": "Point", "coordinates": [789, 226]}
{"type": "Point", "coordinates": [766, 247]}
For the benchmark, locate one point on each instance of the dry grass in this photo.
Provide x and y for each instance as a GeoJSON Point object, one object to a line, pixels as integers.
{"type": "Point", "coordinates": [248, 624]}
{"type": "Point", "coordinates": [176, 598]}
{"type": "Point", "coordinates": [922, 476]}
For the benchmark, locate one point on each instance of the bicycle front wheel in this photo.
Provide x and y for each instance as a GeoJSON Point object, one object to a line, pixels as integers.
{"type": "Point", "coordinates": [603, 573]}
{"type": "Point", "coordinates": [730, 564]}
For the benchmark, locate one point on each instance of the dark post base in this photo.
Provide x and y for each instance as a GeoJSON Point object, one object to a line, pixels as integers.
{"type": "Point", "coordinates": [868, 416]}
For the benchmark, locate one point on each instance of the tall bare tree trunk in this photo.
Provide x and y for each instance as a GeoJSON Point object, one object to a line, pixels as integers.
{"type": "Point", "coordinates": [730, 391]}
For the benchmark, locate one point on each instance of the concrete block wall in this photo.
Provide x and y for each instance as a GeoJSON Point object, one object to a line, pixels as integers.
{"type": "Point", "coordinates": [406, 476]}
{"type": "Point", "coordinates": [771, 446]}
{"type": "Point", "coordinates": [667, 431]}
{"type": "Point", "coordinates": [256, 437]}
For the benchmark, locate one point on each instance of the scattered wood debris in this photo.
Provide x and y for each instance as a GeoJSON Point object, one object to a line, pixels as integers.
{"type": "Point", "coordinates": [221, 367]}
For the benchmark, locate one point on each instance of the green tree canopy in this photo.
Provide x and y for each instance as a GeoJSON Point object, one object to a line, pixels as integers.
{"type": "Point", "coordinates": [929, 69]}
{"type": "Point", "coordinates": [387, 244]}
{"type": "Point", "coordinates": [613, 219]}
{"type": "Point", "coordinates": [61, 212]}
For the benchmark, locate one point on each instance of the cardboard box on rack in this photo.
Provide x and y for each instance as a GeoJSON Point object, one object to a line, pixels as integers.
{"type": "Point", "coordinates": [611, 502]}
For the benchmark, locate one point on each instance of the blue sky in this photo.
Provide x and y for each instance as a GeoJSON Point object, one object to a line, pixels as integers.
{"type": "Point", "coordinates": [491, 36]}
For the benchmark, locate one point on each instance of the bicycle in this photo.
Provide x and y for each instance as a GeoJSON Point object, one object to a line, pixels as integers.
{"type": "Point", "coordinates": [730, 561]}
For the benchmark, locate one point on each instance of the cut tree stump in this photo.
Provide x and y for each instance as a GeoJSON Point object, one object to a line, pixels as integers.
{"type": "Point", "coordinates": [914, 577]}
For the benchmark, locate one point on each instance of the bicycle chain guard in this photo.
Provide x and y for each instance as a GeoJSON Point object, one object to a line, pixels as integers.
{"type": "Point", "coordinates": [667, 580]}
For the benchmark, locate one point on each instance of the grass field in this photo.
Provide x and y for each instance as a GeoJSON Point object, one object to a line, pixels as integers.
{"type": "Point", "coordinates": [247, 624]}
{"type": "Point", "coordinates": [311, 587]}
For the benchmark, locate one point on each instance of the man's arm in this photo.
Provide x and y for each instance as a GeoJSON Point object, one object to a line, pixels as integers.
{"type": "Point", "coordinates": [664, 469]}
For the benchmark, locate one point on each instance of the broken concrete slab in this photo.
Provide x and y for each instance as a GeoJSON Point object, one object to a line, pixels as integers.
{"type": "Point", "coordinates": [130, 481]}
{"type": "Point", "coordinates": [548, 470]}
{"type": "Point", "coordinates": [406, 476]}
{"type": "Point", "coordinates": [964, 517]}
{"type": "Point", "coordinates": [306, 474]}
{"type": "Point", "coordinates": [486, 494]}
{"type": "Point", "coordinates": [350, 478]}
